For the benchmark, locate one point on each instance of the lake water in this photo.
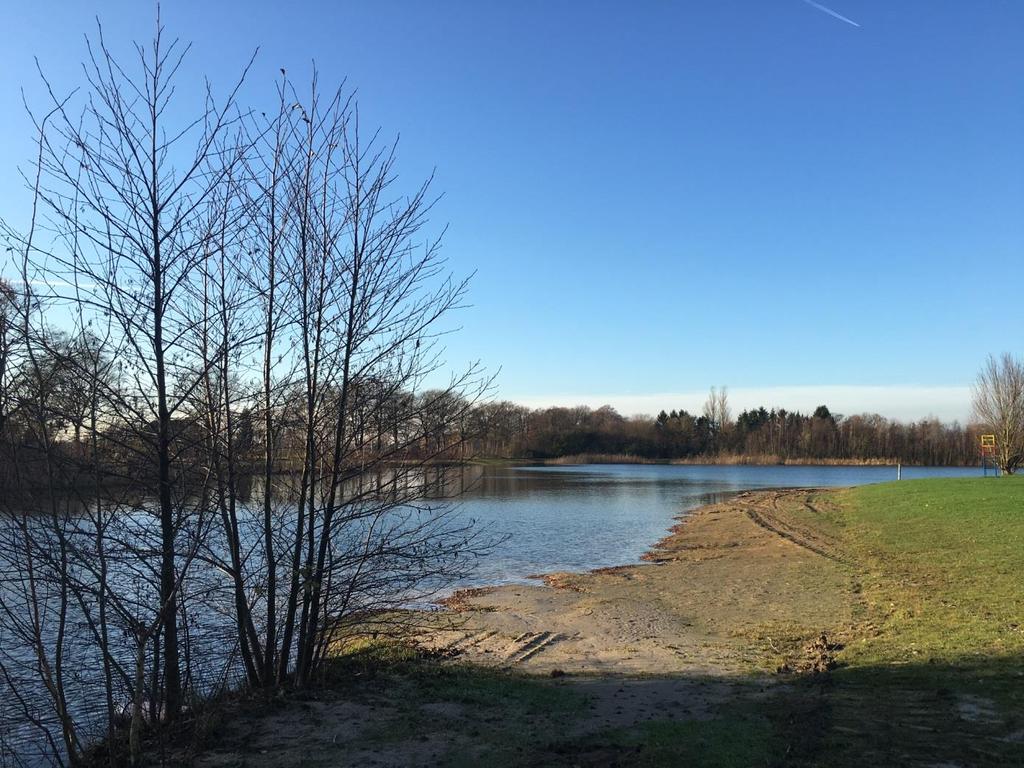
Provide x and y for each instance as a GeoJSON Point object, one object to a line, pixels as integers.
{"type": "Point", "coordinates": [582, 517]}
{"type": "Point", "coordinates": [543, 519]}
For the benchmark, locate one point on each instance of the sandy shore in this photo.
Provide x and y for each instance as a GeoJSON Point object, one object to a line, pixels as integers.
{"type": "Point", "coordinates": [673, 661]}
{"type": "Point", "coordinates": [734, 591]}
{"type": "Point", "coordinates": [734, 588]}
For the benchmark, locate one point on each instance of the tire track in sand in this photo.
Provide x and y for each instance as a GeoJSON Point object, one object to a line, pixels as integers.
{"type": "Point", "coordinates": [766, 514]}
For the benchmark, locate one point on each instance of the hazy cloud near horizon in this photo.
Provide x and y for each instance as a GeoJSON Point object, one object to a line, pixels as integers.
{"type": "Point", "coordinates": [904, 403]}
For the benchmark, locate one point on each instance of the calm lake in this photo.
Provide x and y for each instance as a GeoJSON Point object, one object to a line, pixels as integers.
{"type": "Point", "coordinates": [543, 519]}
{"type": "Point", "coordinates": [591, 516]}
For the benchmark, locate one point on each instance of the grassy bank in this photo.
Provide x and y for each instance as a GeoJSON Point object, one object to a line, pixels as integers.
{"type": "Point", "coordinates": [918, 586]}
{"type": "Point", "coordinates": [944, 568]}
{"type": "Point", "coordinates": [933, 668]}
{"type": "Point", "coordinates": [939, 668]}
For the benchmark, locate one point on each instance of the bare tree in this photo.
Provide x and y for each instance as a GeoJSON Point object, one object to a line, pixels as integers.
{"type": "Point", "coordinates": [998, 403]}
{"type": "Point", "coordinates": [122, 190]}
{"type": "Point", "coordinates": [718, 414]}
{"type": "Point", "coordinates": [245, 303]}
{"type": "Point", "coordinates": [8, 319]}
{"type": "Point", "coordinates": [358, 300]}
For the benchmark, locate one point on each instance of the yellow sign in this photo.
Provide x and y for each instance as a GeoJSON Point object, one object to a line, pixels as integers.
{"type": "Point", "coordinates": [988, 441]}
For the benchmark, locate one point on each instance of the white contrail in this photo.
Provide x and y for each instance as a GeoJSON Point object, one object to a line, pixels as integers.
{"type": "Point", "coordinates": [831, 13]}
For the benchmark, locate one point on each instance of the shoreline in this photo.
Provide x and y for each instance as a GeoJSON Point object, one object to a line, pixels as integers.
{"type": "Point", "coordinates": [460, 598]}
{"type": "Point", "coordinates": [778, 627]}
{"type": "Point", "coordinates": [555, 579]}
{"type": "Point", "coordinates": [704, 597]}
{"type": "Point", "coordinates": [726, 460]}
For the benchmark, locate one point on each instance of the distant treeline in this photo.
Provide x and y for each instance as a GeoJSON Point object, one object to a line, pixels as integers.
{"type": "Point", "coordinates": [512, 431]}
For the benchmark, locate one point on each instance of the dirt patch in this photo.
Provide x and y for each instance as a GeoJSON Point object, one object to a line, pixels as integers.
{"type": "Point", "coordinates": [294, 733]}
{"type": "Point", "coordinates": [561, 580]}
{"type": "Point", "coordinates": [624, 702]}
{"type": "Point", "coordinates": [817, 657]}
{"type": "Point", "coordinates": [463, 599]}
{"type": "Point", "coordinates": [412, 722]}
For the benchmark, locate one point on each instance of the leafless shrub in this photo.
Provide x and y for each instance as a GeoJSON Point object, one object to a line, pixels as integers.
{"type": "Point", "coordinates": [998, 401]}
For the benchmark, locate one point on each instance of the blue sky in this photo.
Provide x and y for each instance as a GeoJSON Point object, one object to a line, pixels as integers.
{"type": "Point", "coordinates": [659, 197]}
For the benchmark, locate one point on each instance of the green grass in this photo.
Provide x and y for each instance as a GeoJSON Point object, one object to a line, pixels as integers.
{"type": "Point", "coordinates": [935, 669]}
{"type": "Point", "coordinates": [943, 568]}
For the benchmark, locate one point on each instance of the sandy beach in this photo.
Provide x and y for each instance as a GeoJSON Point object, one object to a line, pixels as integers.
{"type": "Point", "coordinates": [734, 588]}
{"type": "Point", "coordinates": [734, 592]}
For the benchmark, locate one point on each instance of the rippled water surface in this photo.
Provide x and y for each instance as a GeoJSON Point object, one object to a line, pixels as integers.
{"type": "Point", "coordinates": [582, 517]}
